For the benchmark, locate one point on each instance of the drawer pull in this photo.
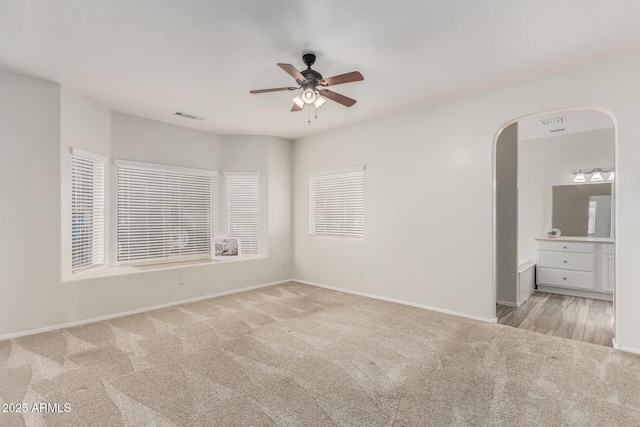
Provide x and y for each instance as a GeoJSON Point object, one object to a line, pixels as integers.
{"type": "Point", "coordinates": [564, 247]}
{"type": "Point", "coordinates": [565, 261]}
{"type": "Point", "coordinates": [564, 278]}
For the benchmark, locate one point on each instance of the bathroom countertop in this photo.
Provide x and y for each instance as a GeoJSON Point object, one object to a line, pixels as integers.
{"type": "Point", "coordinates": [579, 239]}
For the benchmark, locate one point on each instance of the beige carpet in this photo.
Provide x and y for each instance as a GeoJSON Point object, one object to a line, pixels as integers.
{"type": "Point", "coordinates": [297, 355]}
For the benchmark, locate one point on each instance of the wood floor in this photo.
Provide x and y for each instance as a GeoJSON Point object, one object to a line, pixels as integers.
{"type": "Point", "coordinates": [581, 319]}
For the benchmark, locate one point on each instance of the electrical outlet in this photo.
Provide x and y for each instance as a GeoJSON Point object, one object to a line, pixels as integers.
{"type": "Point", "coordinates": [362, 274]}
{"type": "Point", "coordinates": [182, 280]}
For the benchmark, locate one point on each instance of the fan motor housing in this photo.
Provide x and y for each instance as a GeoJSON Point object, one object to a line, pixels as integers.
{"type": "Point", "coordinates": [312, 76]}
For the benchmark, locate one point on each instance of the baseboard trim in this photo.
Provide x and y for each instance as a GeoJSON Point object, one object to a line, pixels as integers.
{"type": "Point", "coordinates": [575, 292]}
{"type": "Point", "coordinates": [136, 311]}
{"type": "Point", "coordinates": [507, 303]}
{"type": "Point", "coordinates": [399, 301]}
{"type": "Point", "coordinates": [627, 349]}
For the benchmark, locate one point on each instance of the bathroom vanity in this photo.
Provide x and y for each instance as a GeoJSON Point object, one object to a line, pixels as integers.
{"type": "Point", "coordinates": [578, 266]}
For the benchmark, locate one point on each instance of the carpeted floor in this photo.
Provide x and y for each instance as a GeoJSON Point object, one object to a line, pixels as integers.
{"type": "Point", "coordinates": [297, 355]}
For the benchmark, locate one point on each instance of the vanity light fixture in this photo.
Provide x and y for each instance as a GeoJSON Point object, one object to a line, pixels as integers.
{"type": "Point", "coordinates": [596, 175]}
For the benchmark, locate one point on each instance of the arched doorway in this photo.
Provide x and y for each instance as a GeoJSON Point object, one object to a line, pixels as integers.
{"type": "Point", "coordinates": [556, 170]}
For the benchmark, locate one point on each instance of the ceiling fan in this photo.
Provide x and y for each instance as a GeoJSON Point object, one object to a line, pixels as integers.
{"type": "Point", "coordinates": [313, 85]}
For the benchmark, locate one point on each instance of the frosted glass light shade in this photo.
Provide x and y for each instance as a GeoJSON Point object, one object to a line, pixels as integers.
{"type": "Point", "coordinates": [319, 102]}
{"type": "Point", "coordinates": [298, 101]}
{"type": "Point", "coordinates": [612, 176]}
{"type": "Point", "coordinates": [597, 176]}
{"type": "Point", "coordinates": [579, 177]}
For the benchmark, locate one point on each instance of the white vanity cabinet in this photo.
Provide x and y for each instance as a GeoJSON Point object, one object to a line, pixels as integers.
{"type": "Point", "coordinates": [576, 266]}
{"type": "Point", "coordinates": [607, 266]}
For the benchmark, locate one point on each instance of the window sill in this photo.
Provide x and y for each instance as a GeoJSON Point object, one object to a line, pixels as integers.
{"type": "Point", "coordinates": [120, 270]}
{"type": "Point", "coordinates": [335, 237]}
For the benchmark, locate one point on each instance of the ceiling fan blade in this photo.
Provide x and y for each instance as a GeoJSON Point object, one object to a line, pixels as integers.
{"type": "Point", "coordinates": [296, 107]}
{"type": "Point", "coordinates": [340, 99]}
{"type": "Point", "coordinates": [353, 76]}
{"type": "Point", "coordinates": [275, 89]}
{"type": "Point", "coordinates": [293, 71]}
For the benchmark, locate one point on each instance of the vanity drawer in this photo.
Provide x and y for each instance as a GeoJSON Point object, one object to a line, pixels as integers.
{"type": "Point", "coordinates": [566, 246]}
{"type": "Point", "coordinates": [566, 261]}
{"type": "Point", "coordinates": [566, 278]}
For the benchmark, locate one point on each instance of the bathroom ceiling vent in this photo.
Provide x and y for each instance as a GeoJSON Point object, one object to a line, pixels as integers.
{"type": "Point", "coordinates": [188, 116]}
{"type": "Point", "coordinates": [554, 121]}
{"type": "Point", "coordinates": [556, 124]}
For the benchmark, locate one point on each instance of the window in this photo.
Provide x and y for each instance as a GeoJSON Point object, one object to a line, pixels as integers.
{"type": "Point", "coordinates": [336, 203]}
{"type": "Point", "coordinates": [243, 209]}
{"type": "Point", "coordinates": [164, 213]}
{"type": "Point", "coordinates": [87, 210]}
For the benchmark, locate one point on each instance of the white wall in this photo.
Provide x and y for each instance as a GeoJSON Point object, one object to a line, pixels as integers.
{"type": "Point", "coordinates": [429, 195]}
{"type": "Point", "coordinates": [86, 125]}
{"type": "Point", "coordinates": [272, 157]}
{"type": "Point", "coordinates": [38, 124]}
{"type": "Point", "coordinates": [507, 216]}
{"type": "Point", "coordinates": [30, 208]}
{"type": "Point", "coordinates": [549, 161]}
{"type": "Point", "coordinates": [280, 203]}
{"type": "Point", "coordinates": [144, 140]}
{"type": "Point", "coordinates": [247, 154]}
{"type": "Point", "coordinates": [427, 238]}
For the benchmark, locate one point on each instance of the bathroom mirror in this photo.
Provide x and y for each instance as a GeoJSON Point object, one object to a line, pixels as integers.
{"type": "Point", "coordinates": [582, 210]}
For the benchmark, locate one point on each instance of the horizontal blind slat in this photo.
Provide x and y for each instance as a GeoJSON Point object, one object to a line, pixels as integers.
{"type": "Point", "coordinates": [87, 212]}
{"type": "Point", "coordinates": [163, 215]}
{"type": "Point", "coordinates": [336, 204]}
{"type": "Point", "coordinates": [243, 210]}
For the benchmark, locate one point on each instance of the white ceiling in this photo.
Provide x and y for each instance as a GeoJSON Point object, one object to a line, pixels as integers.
{"type": "Point", "coordinates": [562, 123]}
{"type": "Point", "coordinates": [150, 58]}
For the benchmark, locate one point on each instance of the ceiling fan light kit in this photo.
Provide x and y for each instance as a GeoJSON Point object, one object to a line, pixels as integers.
{"type": "Point", "coordinates": [309, 96]}
{"type": "Point", "coordinates": [312, 84]}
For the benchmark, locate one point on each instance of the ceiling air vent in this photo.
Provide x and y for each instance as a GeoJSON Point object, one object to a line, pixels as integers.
{"type": "Point", "coordinates": [188, 116]}
{"type": "Point", "coordinates": [554, 121]}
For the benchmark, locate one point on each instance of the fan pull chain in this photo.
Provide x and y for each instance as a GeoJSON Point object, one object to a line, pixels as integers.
{"type": "Point", "coordinates": [309, 115]}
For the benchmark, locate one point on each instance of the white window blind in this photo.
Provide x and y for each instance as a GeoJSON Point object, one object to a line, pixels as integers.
{"type": "Point", "coordinates": [336, 203]}
{"type": "Point", "coordinates": [164, 213]}
{"type": "Point", "coordinates": [243, 209]}
{"type": "Point", "coordinates": [87, 210]}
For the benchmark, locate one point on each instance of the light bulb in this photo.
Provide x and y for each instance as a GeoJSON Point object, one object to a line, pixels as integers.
{"type": "Point", "coordinates": [308, 96]}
